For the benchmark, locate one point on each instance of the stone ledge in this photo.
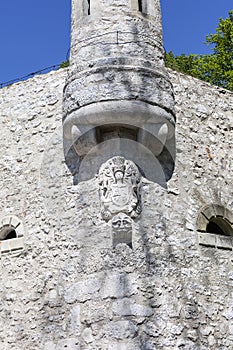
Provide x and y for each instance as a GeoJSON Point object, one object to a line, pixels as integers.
{"type": "Point", "coordinates": [12, 245]}
{"type": "Point", "coordinates": [217, 241]}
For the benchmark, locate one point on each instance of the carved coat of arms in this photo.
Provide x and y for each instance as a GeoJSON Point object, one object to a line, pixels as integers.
{"type": "Point", "coordinates": [119, 181]}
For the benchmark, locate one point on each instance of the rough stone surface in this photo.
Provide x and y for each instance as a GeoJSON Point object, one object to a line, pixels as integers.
{"type": "Point", "coordinates": [69, 288]}
{"type": "Point", "coordinates": [110, 72]}
{"type": "Point", "coordinates": [117, 76]}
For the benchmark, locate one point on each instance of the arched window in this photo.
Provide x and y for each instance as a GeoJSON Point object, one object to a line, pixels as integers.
{"type": "Point", "coordinates": [11, 234]}
{"type": "Point", "coordinates": [215, 224]}
{"type": "Point", "coordinates": [219, 226]}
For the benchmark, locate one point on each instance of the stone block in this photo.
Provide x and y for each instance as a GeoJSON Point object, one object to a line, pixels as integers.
{"type": "Point", "coordinates": [74, 319]}
{"type": "Point", "coordinates": [14, 221]}
{"type": "Point", "coordinates": [228, 215]}
{"type": "Point", "coordinates": [83, 290]}
{"type": "Point", "coordinates": [134, 5]}
{"type": "Point", "coordinates": [209, 211]}
{"type": "Point", "coordinates": [20, 230]}
{"type": "Point", "coordinates": [202, 222]}
{"type": "Point", "coordinates": [12, 244]}
{"type": "Point", "coordinates": [49, 346]}
{"type": "Point", "coordinates": [93, 312]}
{"type": "Point", "coordinates": [5, 221]}
{"type": "Point", "coordinates": [224, 242]}
{"type": "Point", "coordinates": [87, 335]}
{"type": "Point", "coordinates": [124, 345]}
{"type": "Point", "coordinates": [69, 343]}
{"type": "Point", "coordinates": [126, 307]}
{"type": "Point", "coordinates": [118, 285]}
{"type": "Point", "coordinates": [219, 210]}
{"type": "Point", "coordinates": [118, 330]}
{"type": "Point", "coordinates": [207, 239]}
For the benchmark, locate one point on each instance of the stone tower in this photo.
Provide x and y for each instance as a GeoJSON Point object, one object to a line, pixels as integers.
{"type": "Point", "coordinates": [118, 99]}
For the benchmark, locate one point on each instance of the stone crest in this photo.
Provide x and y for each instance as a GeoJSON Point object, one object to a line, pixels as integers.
{"type": "Point", "coordinates": [122, 229]}
{"type": "Point", "coordinates": [119, 184]}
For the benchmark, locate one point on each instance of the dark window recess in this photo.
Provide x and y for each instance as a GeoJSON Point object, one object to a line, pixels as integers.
{"type": "Point", "coordinates": [107, 132]}
{"type": "Point", "coordinates": [89, 7]}
{"type": "Point", "coordinates": [7, 232]}
{"type": "Point", "coordinates": [11, 234]}
{"type": "Point", "coordinates": [219, 226]}
{"type": "Point", "coordinates": [140, 5]}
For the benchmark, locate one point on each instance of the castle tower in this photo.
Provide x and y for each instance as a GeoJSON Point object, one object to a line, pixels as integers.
{"type": "Point", "coordinates": [118, 99]}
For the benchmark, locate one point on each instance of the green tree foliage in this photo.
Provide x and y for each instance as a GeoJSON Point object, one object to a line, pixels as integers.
{"type": "Point", "coordinates": [64, 64]}
{"type": "Point", "coordinates": [215, 68]}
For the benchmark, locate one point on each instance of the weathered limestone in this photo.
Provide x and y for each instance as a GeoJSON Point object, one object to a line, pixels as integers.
{"type": "Point", "coordinates": [122, 229]}
{"type": "Point", "coordinates": [70, 286]}
{"type": "Point", "coordinates": [116, 262]}
{"type": "Point", "coordinates": [120, 197]}
{"type": "Point", "coordinates": [119, 181]}
{"type": "Point", "coordinates": [111, 96]}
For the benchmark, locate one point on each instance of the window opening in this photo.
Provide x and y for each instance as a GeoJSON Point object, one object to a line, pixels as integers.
{"type": "Point", "coordinates": [140, 5]}
{"type": "Point", "coordinates": [7, 232]}
{"type": "Point", "coordinates": [86, 7]}
{"type": "Point", "coordinates": [89, 7]}
{"type": "Point", "coordinates": [215, 224]}
{"type": "Point", "coordinates": [11, 234]}
{"type": "Point", "coordinates": [219, 226]}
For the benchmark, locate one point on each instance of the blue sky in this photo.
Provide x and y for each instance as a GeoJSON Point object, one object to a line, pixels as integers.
{"type": "Point", "coordinates": [35, 33]}
{"type": "Point", "coordinates": [187, 22]}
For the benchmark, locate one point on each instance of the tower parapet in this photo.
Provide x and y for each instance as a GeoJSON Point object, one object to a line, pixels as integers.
{"type": "Point", "coordinates": [118, 99]}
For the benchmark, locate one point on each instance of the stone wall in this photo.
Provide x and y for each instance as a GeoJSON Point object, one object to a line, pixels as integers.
{"type": "Point", "coordinates": [31, 112]}
{"type": "Point", "coordinates": [68, 288]}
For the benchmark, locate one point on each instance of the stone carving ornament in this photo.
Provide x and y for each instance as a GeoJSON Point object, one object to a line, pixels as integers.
{"type": "Point", "coordinates": [119, 181]}
{"type": "Point", "coordinates": [122, 229]}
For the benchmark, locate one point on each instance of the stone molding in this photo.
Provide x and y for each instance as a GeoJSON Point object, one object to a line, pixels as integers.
{"type": "Point", "coordinates": [212, 211]}
{"type": "Point", "coordinates": [217, 241]}
{"type": "Point", "coordinates": [217, 214]}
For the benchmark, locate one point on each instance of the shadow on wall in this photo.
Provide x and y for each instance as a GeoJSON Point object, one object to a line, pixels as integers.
{"type": "Point", "coordinates": [84, 164]}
